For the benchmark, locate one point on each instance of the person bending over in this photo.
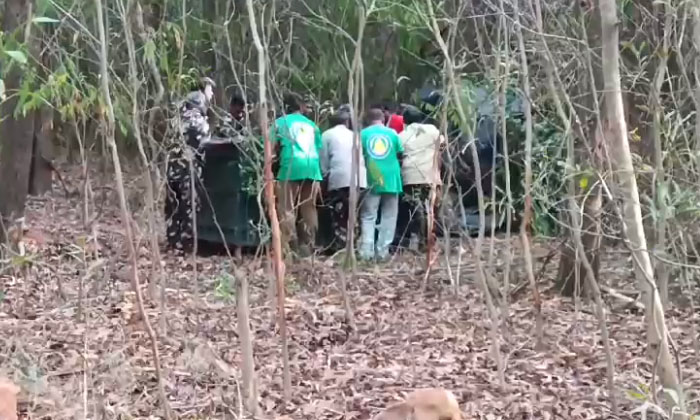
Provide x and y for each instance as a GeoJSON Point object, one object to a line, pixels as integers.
{"type": "Point", "coordinates": [336, 165]}
{"type": "Point", "coordinates": [420, 169]}
{"type": "Point", "coordinates": [381, 148]}
{"type": "Point", "coordinates": [298, 143]}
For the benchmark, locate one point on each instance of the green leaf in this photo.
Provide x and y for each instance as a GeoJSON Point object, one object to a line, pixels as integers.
{"type": "Point", "coordinates": [44, 19]}
{"type": "Point", "coordinates": [583, 182]}
{"type": "Point", "coordinates": [673, 394]}
{"type": "Point", "coordinates": [17, 56]}
{"type": "Point", "coordinates": [149, 49]}
{"type": "Point", "coordinates": [636, 395]}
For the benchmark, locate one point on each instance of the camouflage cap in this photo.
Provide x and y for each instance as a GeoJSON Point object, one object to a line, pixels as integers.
{"type": "Point", "coordinates": [197, 100]}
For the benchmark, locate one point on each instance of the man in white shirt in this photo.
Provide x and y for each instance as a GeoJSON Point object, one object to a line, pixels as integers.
{"type": "Point", "coordinates": [336, 166]}
{"type": "Point", "coordinates": [419, 171]}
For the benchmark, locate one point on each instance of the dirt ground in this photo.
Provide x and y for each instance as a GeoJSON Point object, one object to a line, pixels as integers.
{"type": "Point", "coordinates": [70, 354]}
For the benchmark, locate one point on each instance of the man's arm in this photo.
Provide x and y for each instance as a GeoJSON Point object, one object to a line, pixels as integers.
{"type": "Point", "coordinates": [325, 154]}
{"type": "Point", "coordinates": [399, 149]}
{"type": "Point", "coordinates": [276, 149]}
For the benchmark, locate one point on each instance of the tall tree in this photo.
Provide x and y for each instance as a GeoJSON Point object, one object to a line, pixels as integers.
{"type": "Point", "coordinates": [621, 162]}
{"type": "Point", "coordinates": [16, 128]}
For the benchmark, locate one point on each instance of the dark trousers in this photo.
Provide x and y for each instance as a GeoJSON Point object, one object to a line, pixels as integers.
{"type": "Point", "coordinates": [339, 203]}
{"type": "Point", "coordinates": [413, 215]}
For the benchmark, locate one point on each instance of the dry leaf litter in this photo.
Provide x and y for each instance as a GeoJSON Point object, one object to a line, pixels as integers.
{"type": "Point", "coordinates": [70, 353]}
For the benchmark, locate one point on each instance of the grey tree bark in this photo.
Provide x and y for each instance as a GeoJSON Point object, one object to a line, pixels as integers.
{"type": "Point", "coordinates": [16, 132]}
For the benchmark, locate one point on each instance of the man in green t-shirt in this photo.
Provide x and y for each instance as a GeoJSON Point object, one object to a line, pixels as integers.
{"type": "Point", "coordinates": [381, 148]}
{"type": "Point", "coordinates": [297, 144]}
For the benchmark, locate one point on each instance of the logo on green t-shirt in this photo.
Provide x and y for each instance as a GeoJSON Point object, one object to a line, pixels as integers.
{"type": "Point", "coordinates": [300, 141]}
{"type": "Point", "coordinates": [304, 137]}
{"type": "Point", "coordinates": [379, 146]}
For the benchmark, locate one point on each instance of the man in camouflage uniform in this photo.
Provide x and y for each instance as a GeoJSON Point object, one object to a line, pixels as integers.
{"type": "Point", "coordinates": [184, 168]}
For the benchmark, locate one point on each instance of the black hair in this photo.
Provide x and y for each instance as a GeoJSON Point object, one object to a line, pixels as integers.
{"type": "Point", "coordinates": [374, 115]}
{"type": "Point", "coordinates": [389, 106]}
{"type": "Point", "coordinates": [237, 98]}
{"type": "Point", "coordinates": [292, 103]}
{"type": "Point", "coordinates": [341, 117]}
{"type": "Point", "coordinates": [412, 115]}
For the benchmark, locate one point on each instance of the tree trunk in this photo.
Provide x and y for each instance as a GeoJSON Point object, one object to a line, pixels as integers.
{"type": "Point", "coordinates": [662, 184]}
{"type": "Point", "coordinates": [588, 133]}
{"type": "Point", "coordinates": [109, 126]}
{"type": "Point", "coordinates": [567, 275]}
{"type": "Point", "coordinates": [16, 133]}
{"type": "Point", "coordinates": [527, 209]}
{"type": "Point", "coordinates": [270, 201]}
{"type": "Point", "coordinates": [41, 176]}
{"type": "Point", "coordinates": [250, 392]}
{"type": "Point", "coordinates": [621, 161]}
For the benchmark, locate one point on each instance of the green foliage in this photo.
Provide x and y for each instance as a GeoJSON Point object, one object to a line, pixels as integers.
{"type": "Point", "coordinates": [44, 19]}
{"type": "Point", "coordinates": [479, 97]}
{"type": "Point", "coordinates": [549, 176]}
{"type": "Point", "coordinates": [17, 55]}
{"type": "Point", "coordinates": [252, 170]}
{"type": "Point", "coordinates": [225, 287]}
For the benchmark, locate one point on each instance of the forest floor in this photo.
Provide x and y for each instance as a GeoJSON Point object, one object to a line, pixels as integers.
{"type": "Point", "coordinates": [70, 354]}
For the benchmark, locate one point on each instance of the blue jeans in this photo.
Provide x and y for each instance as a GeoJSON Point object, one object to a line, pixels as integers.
{"type": "Point", "coordinates": [388, 204]}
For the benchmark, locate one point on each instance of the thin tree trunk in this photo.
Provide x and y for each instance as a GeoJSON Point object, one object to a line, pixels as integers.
{"type": "Point", "coordinates": [661, 185]}
{"type": "Point", "coordinates": [41, 176]}
{"type": "Point", "coordinates": [126, 219]}
{"type": "Point", "coordinates": [569, 272]}
{"type": "Point", "coordinates": [506, 165]}
{"type": "Point", "coordinates": [527, 211]}
{"type": "Point", "coordinates": [250, 391]}
{"type": "Point", "coordinates": [621, 160]}
{"type": "Point", "coordinates": [480, 274]}
{"type": "Point", "coordinates": [270, 198]}
{"type": "Point", "coordinates": [592, 284]}
{"type": "Point", "coordinates": [136, 122]}
{"type": "Point", "coordinates": [354, 97]}
{"type": "Point", "coordinates": [593, 203]}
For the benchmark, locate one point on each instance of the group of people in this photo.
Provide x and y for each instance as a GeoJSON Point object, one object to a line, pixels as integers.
{"type": "Point", "coordinates": [399, 156]}
{"type": "Point", "coordinates": [398, 165]}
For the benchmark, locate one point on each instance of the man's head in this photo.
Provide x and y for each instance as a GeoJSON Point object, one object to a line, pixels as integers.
{"type": "Point", "coordinates": [412, 115]}
{"type": "Point", "coordinates": [375, 116]}
{"type": "Point", "coordinates": [382, 107]}
{"type": "Point", "coordinates": [237, 105]}
{"type": "Point", "coordinates": [293, 103]}
{"type": "Point", "coordinates": [341, 118]}
{"type": "Point", "coordinates": [389, 109]}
